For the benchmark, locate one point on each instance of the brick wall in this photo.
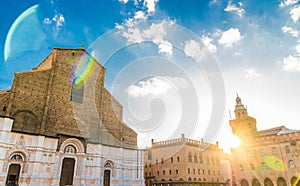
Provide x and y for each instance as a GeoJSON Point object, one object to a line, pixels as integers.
{"type": "Point", "coordinates": [42, 98]}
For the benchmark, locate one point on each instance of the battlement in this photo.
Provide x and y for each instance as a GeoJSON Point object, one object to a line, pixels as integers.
{"type": "Point", "coordinates": [184, 141]}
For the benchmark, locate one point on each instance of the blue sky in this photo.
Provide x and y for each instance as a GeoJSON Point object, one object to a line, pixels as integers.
{"type": "Point", "coordinates": [254, 46]}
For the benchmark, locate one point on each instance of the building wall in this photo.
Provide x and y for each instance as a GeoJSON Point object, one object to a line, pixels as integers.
{"type": "Point", "coordinates": [184, 160]}
{"type": "Point", "coordinates": [268, 157]}
{"type": "Point", "coordinates": [248, 161]}
{"type": "Point", "coordinates": [41, 100]}
{"type": "Point", "coordinates": [42, 162]}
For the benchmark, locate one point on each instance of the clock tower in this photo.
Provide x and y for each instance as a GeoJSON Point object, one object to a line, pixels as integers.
{"type": "Point", "coordinates": [243, 126]}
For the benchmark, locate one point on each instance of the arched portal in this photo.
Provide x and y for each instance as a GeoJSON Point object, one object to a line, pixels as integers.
{"type": "Point", "coordinates": [107, 173]}
{"type": "Point", "coordinates": [67, 171]}
{"type": "Point", "coordinates": [255, 182]}
{"type": "Point", "coordinates": [244, 182]}
{"type": "Point", "coordinates": [13, 174]}
{"type": "Point", "coordinates": [295, 181]}
{"type": "Point", "coordinates": [281, 182]}
{"type": "Point", "coordinates": [268, 182]}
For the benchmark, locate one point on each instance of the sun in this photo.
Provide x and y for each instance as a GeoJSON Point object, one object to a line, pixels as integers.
{"type": "Point", "coordinates": [229, 142]}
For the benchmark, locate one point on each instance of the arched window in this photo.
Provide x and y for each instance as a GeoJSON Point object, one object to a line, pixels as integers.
{"type": "Point", "coordinates": [200, 158]}
{"type": "Point", "coordinates": [189, 171]}
{"type": "Point", "coordinates": [274, 150]}
{"type": "Point", "coordinates": [190, 157]}
{"type": "Point", "coordinates": [171, 159]}
{"type": "Point", "coordinates": [291, 164]}
{"type": "Point", "coordinates": [195, 158]}
{"type": "Point", "coordinates": [277, 165]}
{"type": "Point", "coordinates": [264, 165]}
{"type": "Point", "coordinates": [176, 171]}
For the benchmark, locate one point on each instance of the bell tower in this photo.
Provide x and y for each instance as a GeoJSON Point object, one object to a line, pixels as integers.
{"type": "Point", "coordinates": [243, 126]}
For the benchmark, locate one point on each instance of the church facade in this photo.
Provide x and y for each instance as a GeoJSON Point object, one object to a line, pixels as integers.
{"type": "Point", "coordinates": [60, 126]}
{"type": "Point", "coordinates": [266, 157]}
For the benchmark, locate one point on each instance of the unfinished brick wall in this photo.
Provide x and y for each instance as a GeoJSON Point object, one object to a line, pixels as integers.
{"type": "Point", "coordinates": [45, 95]}
{"type": "Point", "coordinates": [4, 97]}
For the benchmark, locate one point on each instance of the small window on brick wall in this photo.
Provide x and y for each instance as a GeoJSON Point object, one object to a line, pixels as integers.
{"type": "Point", "coordinates": [77, 93]}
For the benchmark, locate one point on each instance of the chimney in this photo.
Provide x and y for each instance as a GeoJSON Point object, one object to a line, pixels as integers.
{"type": "Point", "coordinates": [152, 141]}
{"type": "Point", "coordinates": [217, 143]}
{"type": "Point", "coordinates": [182, 136]}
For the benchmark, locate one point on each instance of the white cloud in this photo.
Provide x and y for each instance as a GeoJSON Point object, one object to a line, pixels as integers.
{"type": "Point", "coordinates": [287, 2]}
{"type": "Point", "coordinates": [238, 10]}
{"type": "Point", "coordinates": [194, 49]}
{"type": "Point", "coordinates": [230, 37]}
{"type": "Point", "coordinates": [140, 15]}
{"type": "Point", "coordinates": [165, 47]}
{"type": "Point", "coordinates": [207, 41]}
{"type": "Point", "coordinates": [290, 30]}
{"type": "Point", "coordinates": [123, 1]}
{"type": "Point", "coordinates": [291, 63]}
{"type": "Point", "coordinates": [295, 13]}
{"type": "Point", "coordinates": [156, 86]}
{"type": "Point", "coordinates": [58, 20]}
{"type": "Point", "coordinates": [251, 73]}
{"type": "Point", "coordinates": [155, 33]}
{"type": "Point", "coordinates": [297, 48]}
{"type": "Point", "coordinates": [150, 4]}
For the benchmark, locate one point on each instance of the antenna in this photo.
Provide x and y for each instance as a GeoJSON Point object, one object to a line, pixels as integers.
{"type": "Point", "coordinates": [82, 46]}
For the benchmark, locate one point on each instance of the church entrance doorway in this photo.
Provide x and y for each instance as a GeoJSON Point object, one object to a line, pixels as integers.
{"type": "Point", "coordinates": [107, 178]}
{"type": "Point", "coordinates": [13, 174]}
{"type": "Point", "coordinates": [67, 172]}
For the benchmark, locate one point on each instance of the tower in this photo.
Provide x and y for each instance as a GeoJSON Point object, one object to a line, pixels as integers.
{"type": "Point", "coordinates": [243, 126]}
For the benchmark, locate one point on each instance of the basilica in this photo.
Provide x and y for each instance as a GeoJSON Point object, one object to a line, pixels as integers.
{"type": "Point", "coordinates": [59, 125]}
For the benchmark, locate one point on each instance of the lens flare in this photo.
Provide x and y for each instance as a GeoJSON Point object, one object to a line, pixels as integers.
{"type": "Point", "coordinates": [81, 71]}
{"type": "Point", "coordinates": [274, 163]}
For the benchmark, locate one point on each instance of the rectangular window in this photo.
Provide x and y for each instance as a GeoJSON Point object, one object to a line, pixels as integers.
{"type": "Point", "coordinates": [77, 93]}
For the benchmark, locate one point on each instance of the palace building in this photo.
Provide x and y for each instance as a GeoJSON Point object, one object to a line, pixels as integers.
{"type": "Point", "coordinates": [60, 126]}
{"type": "Point", "coordinates": [266, 157]}
{"type": "Point", "coordinates": [186, 161]}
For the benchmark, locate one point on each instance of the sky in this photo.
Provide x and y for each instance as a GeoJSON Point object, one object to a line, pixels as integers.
{"type": "Point", "coordinates": [176, 66]}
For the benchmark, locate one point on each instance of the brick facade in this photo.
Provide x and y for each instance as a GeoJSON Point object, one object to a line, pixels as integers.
{"type": "Point", "coordinates": [63, 102]}
{"type": "Point", "coordinates": [267, 157]}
